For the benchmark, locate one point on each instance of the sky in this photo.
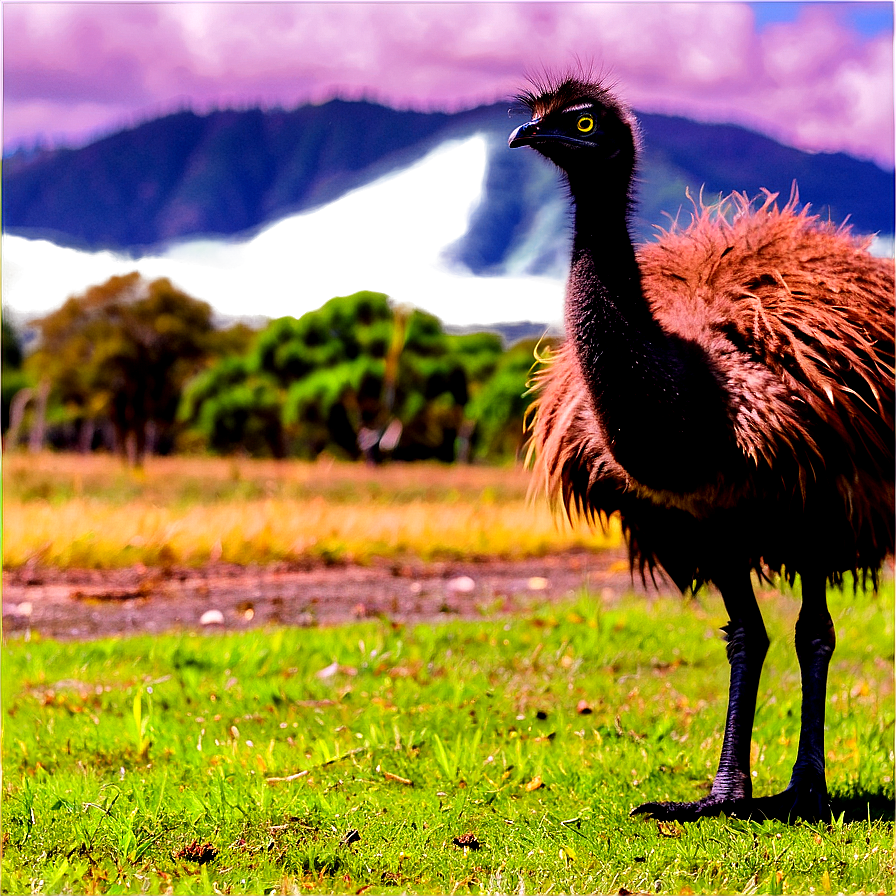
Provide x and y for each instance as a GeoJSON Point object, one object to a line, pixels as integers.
{"type": "Point", "coordinates": [814, 75]}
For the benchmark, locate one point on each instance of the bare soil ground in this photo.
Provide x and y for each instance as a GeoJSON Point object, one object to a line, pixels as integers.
{"type": "Point", "coordinates": [78, 604]}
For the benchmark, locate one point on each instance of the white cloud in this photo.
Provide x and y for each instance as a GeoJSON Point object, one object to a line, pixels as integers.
{"type": "Point", "coordinates": [813, 82]}
{"type": "Point", "coordinates": [212, 256]}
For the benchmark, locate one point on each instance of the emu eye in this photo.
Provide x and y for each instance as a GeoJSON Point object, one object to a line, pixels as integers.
{"type": "Point", "coordinates": [585, 124]}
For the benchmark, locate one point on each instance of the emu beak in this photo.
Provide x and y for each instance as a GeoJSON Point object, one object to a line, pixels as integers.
{"type": "Point", "coordinates": [524, 134]}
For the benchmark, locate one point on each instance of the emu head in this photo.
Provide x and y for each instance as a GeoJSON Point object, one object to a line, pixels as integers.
{"type": "Point", "coordinates": [582, 128]}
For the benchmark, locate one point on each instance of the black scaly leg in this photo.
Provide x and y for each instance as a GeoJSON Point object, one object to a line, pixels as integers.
{"type": "Point", "coordinates": [747, 645]}
{"type": "Point", "coordinates": [806, 796]}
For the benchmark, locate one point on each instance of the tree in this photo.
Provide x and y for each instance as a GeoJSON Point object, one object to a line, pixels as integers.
{"type": "Point", "coordinates": [380, 380]}
{"type": "Point", "coordinates": [12, 377]}
{"type": "Point", "coordinates": [231, 408]}
{"type": "Point", "coordinates": [122, 351]}
{"type": "Point", "coordinates": [478, 353]}
{"type": "Point", "coordinates": [357, 377]}
{"type": "Point", "coordinates": [499, 407]}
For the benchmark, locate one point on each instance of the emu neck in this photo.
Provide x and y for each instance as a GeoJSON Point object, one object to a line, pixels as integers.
{"type": "Point", "coordinates": [605, 297]}
{"type": "Point", "coordinates": [651, 390]}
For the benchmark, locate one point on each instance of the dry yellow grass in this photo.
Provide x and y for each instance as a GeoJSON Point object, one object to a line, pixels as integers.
{"type": "Point", "coordinates": [87, 511]}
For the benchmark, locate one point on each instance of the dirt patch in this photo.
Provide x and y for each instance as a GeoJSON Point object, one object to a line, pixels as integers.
{"type": "Point", "coordinates": [71, 604]}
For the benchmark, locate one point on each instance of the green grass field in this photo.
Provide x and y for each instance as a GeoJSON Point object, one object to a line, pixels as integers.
{"type": "Point", "coordinates": [497, 756]}
{"type": "Point", "coordinates": [470, 757]}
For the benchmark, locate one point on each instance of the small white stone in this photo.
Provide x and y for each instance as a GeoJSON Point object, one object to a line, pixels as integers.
{"type": "Point", "coordinates": [212, 617]}
{"type": "Point", "coordinates": [461, 584]}
{"type": "Point", "coordinates": [327, 671]}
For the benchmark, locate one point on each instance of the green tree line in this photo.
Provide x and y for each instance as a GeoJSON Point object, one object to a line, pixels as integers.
{"type": "Point", "coordinates": [140, 366]}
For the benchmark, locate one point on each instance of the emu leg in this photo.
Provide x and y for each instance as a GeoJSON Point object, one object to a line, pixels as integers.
{"type": "Point", "coordinates": [747, 645]}
{"type": "Point", "coordinates": [806, 796]}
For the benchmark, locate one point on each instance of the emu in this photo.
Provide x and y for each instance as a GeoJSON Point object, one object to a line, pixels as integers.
{"type": "Point", "coordinates": [728, 390]}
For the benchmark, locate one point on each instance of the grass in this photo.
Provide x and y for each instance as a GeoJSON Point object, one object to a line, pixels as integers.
{"type": "Point", "coordinates": [87, 511]}
{"type": "Point", "coordinates": [470, 757]}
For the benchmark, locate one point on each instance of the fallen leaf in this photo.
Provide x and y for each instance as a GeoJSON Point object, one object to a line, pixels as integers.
{"type": "Point", "coordinates": [349, 837]}
{"type": "Point", "coordinates": [294, 777]}
{"type": "Point", "coordinates": [669, 828]}
{"type": "Point", "coordinates": [398, 779]}
{"type": "Point", "coordinates": [534, 784]}
{"type": "Point", "coordinates": [467, 841]}
{"type": "Point", "coordinates": [202, 853]}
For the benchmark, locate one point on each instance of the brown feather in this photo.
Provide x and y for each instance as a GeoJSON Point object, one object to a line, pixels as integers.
{"type": "Point", "coordinates": [799, 318]}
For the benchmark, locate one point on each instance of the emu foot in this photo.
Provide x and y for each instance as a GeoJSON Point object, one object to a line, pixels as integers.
{"type": "Point", "coordinates": [708, 807]}
{"type": "Point", "coordinates": [805, 798]}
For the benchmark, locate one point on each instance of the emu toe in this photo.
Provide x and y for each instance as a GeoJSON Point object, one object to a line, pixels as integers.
{"type": "Point", "coordinates": [708, 807]}
{"type": "Point", "coordinates": [805, 799]}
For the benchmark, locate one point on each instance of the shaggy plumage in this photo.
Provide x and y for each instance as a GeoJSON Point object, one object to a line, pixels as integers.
{"type": "Point", "coordinates": [798, 318]}
{"type": "Point", "coordinates": [728, 390]}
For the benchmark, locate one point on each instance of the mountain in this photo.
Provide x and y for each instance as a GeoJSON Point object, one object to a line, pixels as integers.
{"type": "Point", "coordinates": [224, 173]}
{"type": "Point", "coordinates": [231, 173]}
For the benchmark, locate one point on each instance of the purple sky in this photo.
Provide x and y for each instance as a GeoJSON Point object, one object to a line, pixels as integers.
{"type": "Point", "coordinates": [814, 75]}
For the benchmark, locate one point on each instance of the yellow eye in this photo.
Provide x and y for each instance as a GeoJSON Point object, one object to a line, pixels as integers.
{"type": "Point", "coordinates": [585, 124]}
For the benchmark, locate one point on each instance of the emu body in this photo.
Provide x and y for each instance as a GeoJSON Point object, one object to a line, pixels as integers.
{"type": "Point", "coordinates": [729, 391]}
